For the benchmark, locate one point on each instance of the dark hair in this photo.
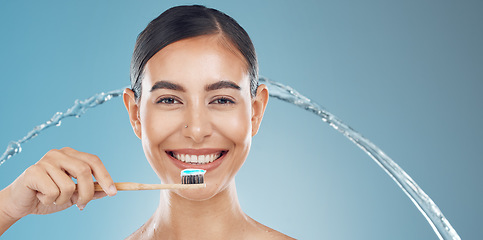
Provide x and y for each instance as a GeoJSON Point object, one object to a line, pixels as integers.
{"type": "Point", "coordinates": [183, 22]}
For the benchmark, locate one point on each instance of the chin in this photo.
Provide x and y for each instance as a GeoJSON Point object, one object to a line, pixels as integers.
{"type": "Point", "coordinates": [195, 194]}
{"type": "Point", "coordinates": [202, 194]}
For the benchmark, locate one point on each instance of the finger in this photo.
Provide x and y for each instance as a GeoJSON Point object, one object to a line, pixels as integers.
{"type": "Point", "coordinates": [99, 195]}
{"type": "Point", "coordinates": [82, 172]}
{"type": "Point", "coordinates": [64, 183]}
{"type": "Point", "coordinates": [75, 197]}
{"type": "Point", "coordinates": [38, 180]}
{"type": "Point", "coordinates": [85, 183]}
{"type": "Point", "coordinates": [98, 170]}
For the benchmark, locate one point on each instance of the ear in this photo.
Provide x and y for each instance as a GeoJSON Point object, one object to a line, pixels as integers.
{"type": "Point", "coordinates": [133, 111]}
{"type": "Point", "coordinates": [258, 107]}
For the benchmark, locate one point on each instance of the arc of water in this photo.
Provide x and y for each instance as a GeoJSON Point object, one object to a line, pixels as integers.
{"type": "Point", "coordinates": [79, 108]}
{"type": "Point", "coordinates": [423, 202]}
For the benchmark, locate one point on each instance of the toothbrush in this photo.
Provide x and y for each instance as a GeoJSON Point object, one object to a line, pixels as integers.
{"type": "Point", "coordinates": [190, 179]}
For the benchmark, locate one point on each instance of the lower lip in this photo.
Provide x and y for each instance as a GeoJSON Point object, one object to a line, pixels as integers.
{"type": "Point", "coordinates": [207, 166]}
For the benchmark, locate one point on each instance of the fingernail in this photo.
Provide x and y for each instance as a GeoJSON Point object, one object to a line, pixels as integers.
{"type": "Point", "coordinates": [81, 206]}
{"type": "Point", "coordinates": [112, 191]}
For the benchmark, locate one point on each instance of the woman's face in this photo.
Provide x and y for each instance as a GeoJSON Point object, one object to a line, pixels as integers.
{"type": "Point", "coordinates": [196, 112]}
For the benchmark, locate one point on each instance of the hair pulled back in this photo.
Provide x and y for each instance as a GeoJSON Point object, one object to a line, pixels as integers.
{"type": "Point", "coordinates": [183, 22]}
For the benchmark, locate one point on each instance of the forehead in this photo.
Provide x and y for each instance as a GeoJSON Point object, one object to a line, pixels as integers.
{"type": "Point", "coordinates": [203, 59]}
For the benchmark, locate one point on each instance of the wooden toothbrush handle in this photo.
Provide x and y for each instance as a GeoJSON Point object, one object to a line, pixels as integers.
{"type": "Point", "coordinates": [131, 186]}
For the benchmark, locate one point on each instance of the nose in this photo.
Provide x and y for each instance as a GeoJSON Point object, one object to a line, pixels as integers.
{"type": "Point", "coordinates": [198, 123]}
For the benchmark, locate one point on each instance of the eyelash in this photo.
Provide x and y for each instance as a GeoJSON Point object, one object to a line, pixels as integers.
{"type": "Point", "coordinates": [165, 100]}
{"type": "Point", "coordinates": [224, 101]}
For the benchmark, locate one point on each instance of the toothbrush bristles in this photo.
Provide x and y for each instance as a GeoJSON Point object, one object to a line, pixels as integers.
{"type": "Point", "coordinates": [192, 179]}
{"type": "Point", "coordinates": [192, 176]}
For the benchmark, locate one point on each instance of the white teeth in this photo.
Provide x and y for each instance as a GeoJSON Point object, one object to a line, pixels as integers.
{"type": "Point", "coordinates": [194, 159]}
{"type": "Point", "coordinates": [197, 159]}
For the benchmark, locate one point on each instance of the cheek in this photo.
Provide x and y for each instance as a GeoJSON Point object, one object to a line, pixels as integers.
{"type": "Point", "coordinates": [156, 127]}
{"type": "Point", "coordinates": [235, 125]}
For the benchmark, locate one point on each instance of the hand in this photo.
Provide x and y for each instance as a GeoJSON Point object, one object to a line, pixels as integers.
{"type": "Point", "coordinates": [47, 186]}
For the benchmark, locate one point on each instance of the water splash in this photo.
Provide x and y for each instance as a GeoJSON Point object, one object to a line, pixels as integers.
{"type": "Point", "coordinates": [79, 108]}
{"type": "Point", "coordinates": [423, 202]}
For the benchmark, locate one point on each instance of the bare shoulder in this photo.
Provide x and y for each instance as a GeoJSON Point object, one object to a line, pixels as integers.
{"type": "Point", "coordinates": [273, 234]}
{"type": "Point", "coordinates": [134, 235]}
{"type": "Point", "coordinates": [265, 232]}
{"type": "Point", "coordinates": [139, 234]}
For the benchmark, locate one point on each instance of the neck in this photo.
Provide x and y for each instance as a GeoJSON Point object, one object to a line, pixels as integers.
{"type": "Point", "coordinates": [219, 217]}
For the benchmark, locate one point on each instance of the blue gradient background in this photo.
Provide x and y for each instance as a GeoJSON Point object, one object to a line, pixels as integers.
{"type": "Point", "coordinates": [406, 74]}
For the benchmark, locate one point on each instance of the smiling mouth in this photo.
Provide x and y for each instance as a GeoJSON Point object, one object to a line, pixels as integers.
{"type": "Point", "coordinates": [197, 159]}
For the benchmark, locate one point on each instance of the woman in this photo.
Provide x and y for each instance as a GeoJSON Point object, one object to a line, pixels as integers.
{"type": "Point", "coordinates": [195, 102]}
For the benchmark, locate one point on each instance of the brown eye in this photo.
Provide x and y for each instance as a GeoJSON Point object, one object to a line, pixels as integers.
{"type": "Point", "coordinates": [167, 100]}
{"type": "Point", "coordinates": [223, 100]}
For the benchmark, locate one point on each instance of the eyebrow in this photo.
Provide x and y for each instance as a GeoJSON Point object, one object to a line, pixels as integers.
{"type": "Point", "coordinates": [209, 87]}
{"type": "Point", "coordinates": [167, 85]}
{"type": "Point", "coordinates": [221, 85]}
